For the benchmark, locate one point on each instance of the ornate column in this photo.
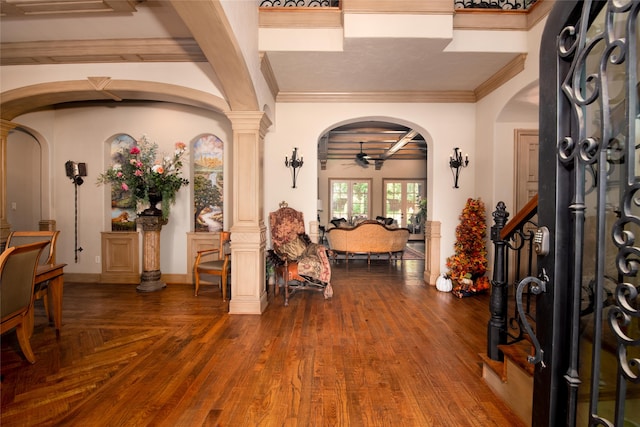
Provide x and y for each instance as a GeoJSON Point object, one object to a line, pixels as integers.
{"type": "Point", "coordinates": [150, 277]}
{"type": "Point", "coordinates": [5, 227]}
{"type": "Point", "coordinates": [248, 231]}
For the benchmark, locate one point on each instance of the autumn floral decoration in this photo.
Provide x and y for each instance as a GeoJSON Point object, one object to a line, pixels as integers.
{"type": "Point", "coordinates": [468, 264]}
{"type": "Point", "coordinates": [143, 178]}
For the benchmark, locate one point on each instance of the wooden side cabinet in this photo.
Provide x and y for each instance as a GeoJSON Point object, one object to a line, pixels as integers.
{"type": "Point", "coordinates": [120, 257]}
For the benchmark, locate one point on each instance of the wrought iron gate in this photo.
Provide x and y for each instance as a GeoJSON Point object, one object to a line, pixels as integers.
{"type": "Point", "coordinates": [588, 317]}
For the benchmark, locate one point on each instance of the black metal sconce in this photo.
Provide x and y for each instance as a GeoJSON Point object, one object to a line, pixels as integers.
{"type": "Point", "coordinates": [75, 171]}
{"type": "Point", "coordinates": [456, 163]}
{"type": "Point", "coordinates": [295, 164]}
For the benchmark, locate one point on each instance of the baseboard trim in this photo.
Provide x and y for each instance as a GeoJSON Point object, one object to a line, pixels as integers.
{"type": "Point", "coordinates": [134, 279]}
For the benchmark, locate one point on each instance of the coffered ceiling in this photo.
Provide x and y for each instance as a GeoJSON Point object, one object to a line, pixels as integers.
{"type": "Point", "coordinates": [371, 70]}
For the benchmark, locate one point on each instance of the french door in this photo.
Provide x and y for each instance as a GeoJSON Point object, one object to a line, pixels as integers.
{"type": "Point", "coordinates": [402, 203]}
{"type": "Point", "coordinates": [587, 314]}
{"type": "Point", "coordinates": [350, 199]}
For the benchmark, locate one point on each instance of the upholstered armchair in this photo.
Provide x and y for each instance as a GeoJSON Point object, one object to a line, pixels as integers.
{"type": "Point", "coordinates": [303, 264]}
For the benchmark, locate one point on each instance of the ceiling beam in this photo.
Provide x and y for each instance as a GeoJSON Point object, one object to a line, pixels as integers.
{"type": "Point", "coordinates": [406, 138]}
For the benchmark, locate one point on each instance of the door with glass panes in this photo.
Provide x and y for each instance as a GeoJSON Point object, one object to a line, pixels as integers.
{"type": "Point", "coordinates": [587, 316]}
{"type": "Point", "coordinates": [350, 199]}
{"type": "Point", "coordinates": [402, 202]}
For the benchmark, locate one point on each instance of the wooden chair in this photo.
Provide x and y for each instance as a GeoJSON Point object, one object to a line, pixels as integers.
{"type": "Point", "coordinates": [215, 267]}
{"type": "Point", "coordinates": [18, 266]}
{"type": "Point", "coordinates": [48, 256]}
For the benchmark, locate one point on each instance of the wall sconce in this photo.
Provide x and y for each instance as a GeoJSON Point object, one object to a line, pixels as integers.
{"type": "Point", "coordinates": [295, 164]}
{"type": "Point", "coordinates": [75, 171]}
{"type": "Point", "coordinates": [456, 163]}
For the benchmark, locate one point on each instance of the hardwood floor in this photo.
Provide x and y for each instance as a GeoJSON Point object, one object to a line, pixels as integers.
{"type": "Point", "coordinates": [387, 350]}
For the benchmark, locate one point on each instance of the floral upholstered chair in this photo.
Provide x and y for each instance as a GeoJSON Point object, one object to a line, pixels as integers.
{"type": "Point", "coordinates": [303, 265]}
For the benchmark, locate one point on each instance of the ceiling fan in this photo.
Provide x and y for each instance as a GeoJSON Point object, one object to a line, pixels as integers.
{"type": "Point", "coordinates": [362, 159]}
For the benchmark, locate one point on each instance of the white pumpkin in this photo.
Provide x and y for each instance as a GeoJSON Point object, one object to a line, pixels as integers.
{"type": "Point", "coordinates": [443, 283]}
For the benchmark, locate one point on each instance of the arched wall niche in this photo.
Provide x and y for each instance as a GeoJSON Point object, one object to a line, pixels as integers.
{"type": "Point", "coordinates": [28, 204]}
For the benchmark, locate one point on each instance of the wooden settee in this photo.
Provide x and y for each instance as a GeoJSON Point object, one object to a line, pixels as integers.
{"type": "Point", "coordinates": [368, 237]}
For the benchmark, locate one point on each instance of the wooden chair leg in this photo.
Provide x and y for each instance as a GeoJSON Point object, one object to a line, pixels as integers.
{"type": "Point", "coordinates": [23, 339]}
{"type": "Point", "coordinates": [223, 281]}
{"type": "Point", "coordinates": [197, 283]}
{"type": "Point", "coordinates": [45, 301]}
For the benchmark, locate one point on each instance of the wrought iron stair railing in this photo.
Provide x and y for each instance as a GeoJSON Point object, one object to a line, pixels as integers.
{"type": "Point", "coordinates": [514, 261]}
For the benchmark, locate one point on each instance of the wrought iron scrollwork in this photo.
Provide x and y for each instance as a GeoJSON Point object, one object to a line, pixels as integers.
{"type": "Point", "coordinates": [600, 89]}
{"type": "Point", "coordinates": [536, 287]}
{"type": "Point", "coordinates": [494, 4]}
{"type": "Point", "coordinates": [299, 3]}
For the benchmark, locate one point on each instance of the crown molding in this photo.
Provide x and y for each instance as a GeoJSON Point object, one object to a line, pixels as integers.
{"type": "Point", "coordinates": [299, 17]}
{"type": "Point", "coordinates": [102, 51]}
{"type": "Point", "coordinates": [398, 6]}
{"type": "Point", "coordinates": [387, 97]}
{"type": "Point", "coordinates": [269, 75]}
{"type": "Point", "coordinates": [16, 8]}
{"type": "Point", "coordinates": [505, 74]}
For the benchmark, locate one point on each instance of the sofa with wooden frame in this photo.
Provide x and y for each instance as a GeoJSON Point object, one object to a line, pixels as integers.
{"type": "Point", "coordinates": [368, 237]}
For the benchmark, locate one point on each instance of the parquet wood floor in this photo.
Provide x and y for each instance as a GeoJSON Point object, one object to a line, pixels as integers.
{"type": "Point", "coordinates": [387, 350]}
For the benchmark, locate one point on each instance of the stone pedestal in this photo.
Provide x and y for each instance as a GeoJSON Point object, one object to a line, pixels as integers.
{"type": "Point", "coordinates": [150, 277]}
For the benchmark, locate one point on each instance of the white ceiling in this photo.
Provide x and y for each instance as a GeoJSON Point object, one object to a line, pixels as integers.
{"type": "Point", "coordinates": [365, 64]}
{"type": "Point", "coordinates": [384, 65]}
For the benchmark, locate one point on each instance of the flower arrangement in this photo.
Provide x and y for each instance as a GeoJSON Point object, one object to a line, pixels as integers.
{"type": "Point", "coordinates": [469, 262]}
{"type": "Point", "coordinates": [144, 178]}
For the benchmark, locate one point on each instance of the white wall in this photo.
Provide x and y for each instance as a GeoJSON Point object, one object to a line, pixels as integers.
{"type": "Point", "coordinates": [443, 126]}
{"type": "Point", "coordinates": [80, 134]}
{"type": "Point", "coordinates": [495, 138]}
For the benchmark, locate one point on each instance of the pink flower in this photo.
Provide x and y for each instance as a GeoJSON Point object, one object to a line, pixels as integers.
{"type": "Point", "coordinates": [119, 174]}
{"type": "Point", "coordinates": [138, 172]}
{"type": "Point", "coordinates": [125, 187]}
{"type": "Point", "coordinates": [134, 150]}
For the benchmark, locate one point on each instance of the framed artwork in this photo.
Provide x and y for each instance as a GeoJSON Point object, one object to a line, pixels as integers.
{"type": "Point", "coordinates": [208, 183]}
{"type": "Point", "coordinates": [123, 208]}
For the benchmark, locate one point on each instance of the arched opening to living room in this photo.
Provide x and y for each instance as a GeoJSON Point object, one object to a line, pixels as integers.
{"type": "Point", "coordinates": [375, 168]}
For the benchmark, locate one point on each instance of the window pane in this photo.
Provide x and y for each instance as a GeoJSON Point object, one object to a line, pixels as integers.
{"type": "Point", "coordinates": [360, 199]}
{"type": "Point", "coordinates": [394, 201]}
{"type": "Point", "coordinates": [350, 199]}
{"type": "Point", "coordinates": [339, 198]}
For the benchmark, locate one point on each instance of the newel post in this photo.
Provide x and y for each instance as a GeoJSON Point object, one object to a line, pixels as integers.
{"type": "Point", "coordinates": [497, 327]}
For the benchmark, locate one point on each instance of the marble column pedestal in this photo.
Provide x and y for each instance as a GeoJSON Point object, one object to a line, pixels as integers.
{"type": "Point", "coordinates": [150, 277]}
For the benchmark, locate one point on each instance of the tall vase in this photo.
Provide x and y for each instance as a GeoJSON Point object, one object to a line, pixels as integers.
{"type": "Point", "coordinates": [155, 197]}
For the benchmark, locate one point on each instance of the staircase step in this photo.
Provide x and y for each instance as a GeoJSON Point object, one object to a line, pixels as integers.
{"type": "Point", "coordinates": [518, 354]}
{"type": "Point", "coordinates": [496, 366]}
